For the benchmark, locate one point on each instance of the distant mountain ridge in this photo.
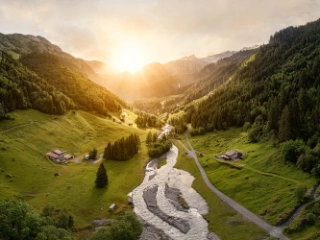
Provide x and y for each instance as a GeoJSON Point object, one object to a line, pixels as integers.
{"type": "Point", "coordinates": [25, 44]}
{"type": "Point", "coordinates": [159, 80]}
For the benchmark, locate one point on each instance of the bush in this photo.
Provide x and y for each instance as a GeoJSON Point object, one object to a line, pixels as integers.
{"type": "Point", "coordinates": [300, 193]}
{"type": "Point", "coordinates": [128, 228]}
{"type": "Point", "coordinates": [311, 218]}
{"type": "Point", "coordinates": [291, 150]}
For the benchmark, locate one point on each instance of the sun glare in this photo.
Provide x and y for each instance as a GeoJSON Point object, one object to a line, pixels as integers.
{"type": "Point", "coordinates": [129, 59]}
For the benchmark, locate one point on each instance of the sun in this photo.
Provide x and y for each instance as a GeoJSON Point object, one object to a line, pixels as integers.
{"type": "Point", "coordinates": [129, 59]}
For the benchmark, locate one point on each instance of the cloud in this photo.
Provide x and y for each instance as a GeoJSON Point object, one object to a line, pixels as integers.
{"type": "Point", "coordinates": [167, 29]}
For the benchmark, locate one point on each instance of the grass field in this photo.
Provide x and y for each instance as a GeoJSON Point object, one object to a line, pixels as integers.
{"type": "Point", "coordinates": [265, 184]}
{"type": "Point", "coordinates": [29, 175]}
{"type": "Point", "coordinates": [222, 219]}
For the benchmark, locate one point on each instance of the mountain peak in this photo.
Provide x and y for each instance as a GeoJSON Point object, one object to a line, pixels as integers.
{"type": "Point", "coordinates": [189, 58]}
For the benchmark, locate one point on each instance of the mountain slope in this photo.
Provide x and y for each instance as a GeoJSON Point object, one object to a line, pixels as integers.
{"type": "Point", "coordinates": [276, 92]}
{"type": "Point", "coordinates": [48, 79]}
{"type": "Point", "coordinates": [22, 89]}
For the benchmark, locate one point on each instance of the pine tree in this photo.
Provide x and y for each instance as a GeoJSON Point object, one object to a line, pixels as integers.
{"type": "Point", "coordinates": [108, 152]}
{"type": "Point", "coordinates": [102, 178]}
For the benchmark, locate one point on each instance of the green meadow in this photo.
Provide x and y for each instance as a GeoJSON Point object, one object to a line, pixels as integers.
{"type": "Point", "coordinates": [265, 184]}
{"type": "Point", "coordinates": [28, 175]}
{"type": "Point", "coordinates": [222, 219]}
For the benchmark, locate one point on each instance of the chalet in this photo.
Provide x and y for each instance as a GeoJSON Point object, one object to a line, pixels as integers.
{"type": "Point", "coordinates": [59, 156]}
{"type": "Point", "coordinates": [232, 154]}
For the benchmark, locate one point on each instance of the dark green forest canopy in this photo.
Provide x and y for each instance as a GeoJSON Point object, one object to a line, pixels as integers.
{"type": "Point", "coordinates": [279, 89]}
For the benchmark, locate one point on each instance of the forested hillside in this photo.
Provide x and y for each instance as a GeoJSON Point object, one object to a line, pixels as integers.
{"type": "Point", "coordinates": [37, 74]}
{"type": "Point", "coordinates": [87, 94]}
{"type": "Point", "coordinates": [21, 89]}
{"type": "Point", "coordinates": [215, 74]}
{"type": "Point", "coordinates": [276, 92]}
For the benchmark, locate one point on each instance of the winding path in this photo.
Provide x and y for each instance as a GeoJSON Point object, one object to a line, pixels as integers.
{"type": "Point", "coordinates": [273, 231]}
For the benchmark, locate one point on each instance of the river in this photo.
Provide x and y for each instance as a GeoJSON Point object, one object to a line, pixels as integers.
{"type": "Point", "coordinates": [156, 203]}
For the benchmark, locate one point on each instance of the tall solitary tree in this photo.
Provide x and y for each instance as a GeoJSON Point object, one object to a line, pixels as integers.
{"type": "Point", "coordinates": [102, 178]}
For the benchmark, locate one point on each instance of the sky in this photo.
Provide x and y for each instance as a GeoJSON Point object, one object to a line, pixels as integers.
{"type": "Point", "coordinates": [153, 30]}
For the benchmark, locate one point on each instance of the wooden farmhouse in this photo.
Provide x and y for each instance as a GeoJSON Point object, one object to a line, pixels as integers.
{"type": "Point", "coordinates": [59, 156]}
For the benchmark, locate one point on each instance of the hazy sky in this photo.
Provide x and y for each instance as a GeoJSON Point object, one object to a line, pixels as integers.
{"type": "Point", "coordinates": [162, 30]}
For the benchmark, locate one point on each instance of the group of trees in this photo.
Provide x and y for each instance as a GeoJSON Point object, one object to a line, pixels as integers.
{"type": "Point", "coordinates": [19, 221]}
{"type": "Point", "coordinates": [179, 124]}
{"type": "Point", "coordinates": [156, 146]}
{"type": "Point", "coordinates": [144, 120]}
{"type": "Point", "coordinates": [305, 155]}
{"type": "Point", "coordinates": [123, 149]}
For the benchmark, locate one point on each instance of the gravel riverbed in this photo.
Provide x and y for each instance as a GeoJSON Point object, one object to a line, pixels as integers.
{"type": "Point", "coordinates": [156, 203]}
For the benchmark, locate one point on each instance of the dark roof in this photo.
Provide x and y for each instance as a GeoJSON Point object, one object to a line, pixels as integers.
{"type": "Point", "coordinates": [58, 152]}
{"type": "Point", "coordinates": [52, 155]}
{"type": "Point", "coordinates": [231, 153]}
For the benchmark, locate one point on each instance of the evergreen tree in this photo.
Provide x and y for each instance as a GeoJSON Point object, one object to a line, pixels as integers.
{"type": "Point", "coordinates": [93, 154]}
{"type": "Point", "coordinates": [2, 112]}
{"type": "Point", "coordinates": [285, 125]}
{"type": "Point", "coordinates": [102, 178]}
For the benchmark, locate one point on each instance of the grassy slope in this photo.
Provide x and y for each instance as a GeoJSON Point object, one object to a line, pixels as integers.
{"type": "Point", "coordinates": [265, 185]}
{"type": "Point", "coordinates": [222, 219]}
{"type": "Point", "coordinates": [32, 134]}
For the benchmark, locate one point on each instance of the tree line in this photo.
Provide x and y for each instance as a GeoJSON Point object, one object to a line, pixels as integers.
{"type": "Point", "coordinates": [144, 120]}
{"type": "Point", "coordinates": [123, 149]}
